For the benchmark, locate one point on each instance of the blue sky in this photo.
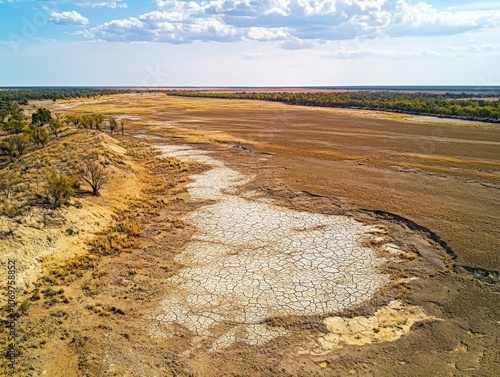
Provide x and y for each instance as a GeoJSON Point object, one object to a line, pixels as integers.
{"type": "Point", "coordinates": [249, 42]}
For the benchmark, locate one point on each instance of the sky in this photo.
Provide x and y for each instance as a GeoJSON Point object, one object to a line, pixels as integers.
{"type": "Point", "coordinates": [249, 42]}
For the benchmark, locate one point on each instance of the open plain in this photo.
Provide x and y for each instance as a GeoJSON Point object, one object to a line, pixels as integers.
{"type": "Point", "coordinates": [282, 241]}
{"type": "Point", "coordinates": [444, 176]}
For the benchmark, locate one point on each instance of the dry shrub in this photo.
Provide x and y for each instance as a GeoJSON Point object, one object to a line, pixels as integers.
{"type": "Point", "coordinates": [131, 227]}
{"type": "Point", "coordinates": [118, 238]}
{"type": "Point", "coordinates": [64, 272]}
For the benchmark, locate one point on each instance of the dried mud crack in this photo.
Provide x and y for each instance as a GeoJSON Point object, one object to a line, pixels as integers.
{"type": "Point", "coordinates": [251, 260]}
{"type": "Point", "coordinates": [231, 276]}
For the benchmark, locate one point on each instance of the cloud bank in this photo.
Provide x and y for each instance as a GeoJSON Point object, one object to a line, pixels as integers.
{"type": "Point", "coordinates": [295, 21]}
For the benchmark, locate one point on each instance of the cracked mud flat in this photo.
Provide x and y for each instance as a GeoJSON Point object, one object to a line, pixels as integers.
{"type": "Point", "coordinates": [251, 261]}
{"type": "Point", "coordinates": [457, 204]}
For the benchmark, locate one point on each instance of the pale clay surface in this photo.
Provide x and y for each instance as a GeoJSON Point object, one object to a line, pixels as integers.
{"type": "Point", "coordinates": [387, 325]}
{"type": "Point", "coordinates": [251, 260]}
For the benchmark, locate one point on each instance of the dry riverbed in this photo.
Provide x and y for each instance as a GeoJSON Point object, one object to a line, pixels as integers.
{"type": "Point", "coordinates": [239, 261]}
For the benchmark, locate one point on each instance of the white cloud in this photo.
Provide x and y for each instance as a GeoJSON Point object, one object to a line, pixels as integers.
{"type": "Point", "coordinates": [83, 3]}
{"type": "Point", "coordinates": [164, 27]}
{"type": "Point", "coordinates": [101, 4]}
{"type": "Point", "coordinates": [267, 34]}
{"type": "Point", "coordinates": [356, 51]}
{"type": "Point", "coordinates": [296, 21]}
{"type": "Point", "coordinates": [296, 44]}
{"type": "Point", "coordinates": [249, 63]}
{"type": "Point", "coordinates": [68, 18]}
{"type": "Point", "coordinates": [251, 56]}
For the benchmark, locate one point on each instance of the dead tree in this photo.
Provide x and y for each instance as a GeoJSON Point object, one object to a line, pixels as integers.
{"type": "Point", "coordinates": [94, 173]}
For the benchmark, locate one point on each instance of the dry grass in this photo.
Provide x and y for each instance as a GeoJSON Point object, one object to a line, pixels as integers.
{"type": "Point", "coordinates": [131, 227]}
{"type": "Point", "coordinates": [63, 278]}
{"type": "Point", "coordinates": [62, 272]}
{"type": "Point", "coordinates": [471, 173]}
{"type": "Point", "coordinates": [454, 160]}
{"type": "Point", "coordinates": [195, 136]}
{"type": "Point", "coordinates": [64, 154]}
{"type": "Point", "coordinates": [29, 229]}
{"type": "Point", "coordinates": [315, 153]}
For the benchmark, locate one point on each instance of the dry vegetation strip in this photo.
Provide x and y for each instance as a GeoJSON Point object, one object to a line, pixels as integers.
{"type": "Point", "coordinates": [67, 284]}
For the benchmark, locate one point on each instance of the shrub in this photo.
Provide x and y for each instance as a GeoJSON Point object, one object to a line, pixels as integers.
{"type": "Point", "coordinates": [39, 134]}
{"type": "Point", "coordinates": [8, 182]}
{"type": "Point", "coordinates": [59, 188]}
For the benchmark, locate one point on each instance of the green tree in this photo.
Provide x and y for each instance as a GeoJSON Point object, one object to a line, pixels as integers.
{"type": "Point", "coordinates": [59, 188]}
{"type": "Point", "coordinates": [38, 134]}
{"type": "Point", "coordinates": [8, 182]}
{"type": "Point", "coordinates": [41, 116]}
{"type": "Point", "coordinates": [21, 142]}
{"type": "Point", "coordinates": [13, 126]}
{"type": "Point", "coordinates": [17, 113]}
{"type": "Point", "coordinates": [55, 125]}
{"type": "Point", "coordinates": [8, 147]}
{"type": "Point", "coordinates": [88, 121]}
{"type": "Point", "coordinates": [4, 113]}
{"type": "Point", "coordinates": [99, 120]}
{"type": "Point", "coordinates": [74, 120]}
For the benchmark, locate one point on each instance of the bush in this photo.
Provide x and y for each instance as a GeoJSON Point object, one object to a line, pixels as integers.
{"type": "Point", "coordinates": [39, 135]}
{"type": "Point", "coordinates": [8, 182]}
{"type": "Point", "coordinates": [59, 188]}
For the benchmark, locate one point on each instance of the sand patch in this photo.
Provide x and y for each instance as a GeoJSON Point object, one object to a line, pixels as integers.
{"type": "Point", "coordinates": [388, 324]}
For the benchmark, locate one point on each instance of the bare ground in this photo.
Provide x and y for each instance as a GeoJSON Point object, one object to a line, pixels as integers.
{"type": "Point", "coordinates": [435, 188]}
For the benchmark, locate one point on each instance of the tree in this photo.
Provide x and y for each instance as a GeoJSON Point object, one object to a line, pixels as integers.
{"type": "Point", "coordinates": [59, 188]}
{"type": "Point", "coordinates": [41, 116]}
{"type": "Point", "coordinates": [94, 173]}
{"type": "Point", "coordinates": [55, 125]}
{"type": "Point", "coordinates": [8, 182]}
{"type": "Point", "coordinates": [21, 142]}
{"type": "Point", "coordinates": [75, 120]}
{"type": "Point", "coordinates": [43, 136]}
{"type": "Point", "coordinates": [39, 135]}
{"type": "Point", "coordinates": [99, 119]}
{"type": "Point", "coordinates": [13, 126]}
{"type": "Point", "coordinates": [8, 147]}
{"type": "Point", "coordinates": [88, 121]}
{"type": "Point", "coordinates": [17, 113]}
{"type": "Point", "coordinates": [113, 123]}
{"type": "Point", "coordinates": [123, 122]}
{"type": "Point", "coordinates": [4, 113]}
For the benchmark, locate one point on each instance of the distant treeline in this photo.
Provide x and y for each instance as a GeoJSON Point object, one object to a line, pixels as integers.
{"type": "Point", "coordinates": [470, 106]}
{"type": "Point", "coordinates": [22, 96]}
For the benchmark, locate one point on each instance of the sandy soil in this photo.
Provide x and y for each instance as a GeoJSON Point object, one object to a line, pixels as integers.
{"type": "Point", "coordinates": [405, 198]}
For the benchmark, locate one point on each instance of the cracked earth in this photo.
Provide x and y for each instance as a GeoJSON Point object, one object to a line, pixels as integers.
{"type": "Point", "coordinates": [242, 276]}
{"type": "Point", "coordinates": [252, 260]}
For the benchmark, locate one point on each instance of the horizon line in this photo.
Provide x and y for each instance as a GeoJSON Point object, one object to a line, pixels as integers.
{"type": "Point", "coordinates": [253, 87]}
